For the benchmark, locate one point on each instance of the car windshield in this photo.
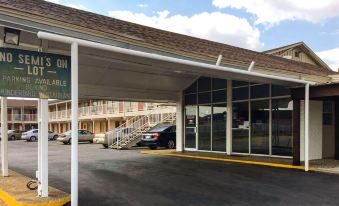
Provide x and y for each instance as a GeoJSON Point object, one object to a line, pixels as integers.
{"type": "Point", "coordinates": [159, 128]}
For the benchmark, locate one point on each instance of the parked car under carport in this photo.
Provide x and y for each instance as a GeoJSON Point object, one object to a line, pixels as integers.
{"type": "Point", "coordinates": [161, 135]}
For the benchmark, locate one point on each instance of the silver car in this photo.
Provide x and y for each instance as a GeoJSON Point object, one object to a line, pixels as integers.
{"type": "Point", "coordinates": [84, 136]}
{"type": "Point", "coordinates": [32, 135]}
{"type": "Point", "coordinates": [13, 134]}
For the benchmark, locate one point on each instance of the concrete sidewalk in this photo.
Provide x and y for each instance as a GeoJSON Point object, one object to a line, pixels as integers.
{"type": "Point", "coordinates": [13, 191]}
{"type": "Point", "coordinates": [322, 165]}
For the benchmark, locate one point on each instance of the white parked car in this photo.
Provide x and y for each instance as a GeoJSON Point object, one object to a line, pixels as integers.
{"type": "Point", "coordinates": [84, 136]}
{"type": "Point", "coordinates": [32, 135]}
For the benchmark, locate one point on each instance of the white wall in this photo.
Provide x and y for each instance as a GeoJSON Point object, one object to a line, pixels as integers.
{"type": "Point", "coordinates": [315, 130]}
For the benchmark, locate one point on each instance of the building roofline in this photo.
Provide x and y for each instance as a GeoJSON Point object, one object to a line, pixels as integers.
{"type": "Point", "coordinates": [135, 35]}
{"type": "Point", "coordinates": [307, 50]}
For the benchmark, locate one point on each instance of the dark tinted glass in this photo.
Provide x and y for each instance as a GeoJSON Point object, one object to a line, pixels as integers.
{"type": "Point", "coordinates": [240, 127]}
{"type": "Point", "coordinates": [260, 127]}
{"type": "Point", "coordinates": [190, 99]}
{"type": "Point", "coordinates": [192, 88]}
{"type": "Point", "coordinates": [260, 91]}
{"type": "Point", "coordinates": [219, 96]}
{"type": "Point", "coordinates": [219, 128]}
{"type": "Point", "coordinates": [219, 83]}
{"type": "Point", "coordinates": [204, 98]}
{"type": "Point", "coordinates": [204, 84]}
{"type": "Point", "coordinates": [240, 93]}
{"type": "Point", "coordinates": [282, 127]}
{"type": "Point", "coordinates": [278, 90]}
{"type": "Point", "coordinates": [204, 142]}
{"type": "Point", "coordinates": [239, 83]}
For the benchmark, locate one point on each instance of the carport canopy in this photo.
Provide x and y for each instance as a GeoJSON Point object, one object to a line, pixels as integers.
{"type": "Point", "coordinates": [110, 72]}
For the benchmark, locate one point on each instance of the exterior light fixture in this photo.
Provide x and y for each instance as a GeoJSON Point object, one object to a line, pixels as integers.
{"type": "Point", "coordinates": [12, 36]}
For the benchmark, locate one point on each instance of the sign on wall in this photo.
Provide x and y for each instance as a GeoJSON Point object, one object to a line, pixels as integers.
{"type": "Point", "coordinates": [34, 74]}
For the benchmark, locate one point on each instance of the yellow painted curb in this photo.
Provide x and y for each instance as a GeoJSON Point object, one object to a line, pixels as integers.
{"type": "Point", "coordinates": [229, 160]}
{"type": "Point", "coordinates": [13, 202]}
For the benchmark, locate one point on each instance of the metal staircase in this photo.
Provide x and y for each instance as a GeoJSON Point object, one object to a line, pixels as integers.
{"type": "Point", "coordinates": [129, 133]}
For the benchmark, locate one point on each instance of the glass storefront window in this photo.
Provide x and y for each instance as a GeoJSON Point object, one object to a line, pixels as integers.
{"type": "Point", "coordinates": [204, 84]}
{"type": "Point", "coordinates": [190, 99]}
{"type": "Point", "coordinates": [219, 84]}
{"type": "Point", "coordinates": [278, 90]}
{"type": "Point", "coordinates": [204, 98]}
{"type": "Point", "coordinates": [260, 112]}
{"type": "Point", "coordinates": [236, 83]}
{"type": "Point", "coordinates": [207, 97]}
{"type": "Point", "coordinates": [240, 130]}
{"type": "Point", "coordinates": [219, 128]}
{"type": "Point", "coordinates": [260, 91]}
{"type": "Point", "coordinates": [240, 93]}
{"type": "Point", "coordinates": [219, 96]}
{"type": "Point", "coordinates": [204, 128]}
{"type": "Point", "coordinates": [282, 127]}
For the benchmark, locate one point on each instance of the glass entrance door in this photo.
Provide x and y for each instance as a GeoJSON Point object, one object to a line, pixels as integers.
{"type": "Point", "coordinates": [191, 127]}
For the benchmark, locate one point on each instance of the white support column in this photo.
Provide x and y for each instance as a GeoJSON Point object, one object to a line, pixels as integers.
{"type": "Point", "coordinates": [38, 172]}
{"type": "Point", "coordinates": [179, 124]}
{"type": "Point", "coordinates": [74, 152]}
{"type": "Point", "coordinates": [43, 148]}
{"type": "Point", "coordinates": [4, 137]}
{"type": "Point", "coordinates": [229, 118]}
{"type": "Point", "coordinates": [307, 103]}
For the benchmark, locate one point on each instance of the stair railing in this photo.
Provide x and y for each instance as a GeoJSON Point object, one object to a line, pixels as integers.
{"type": "Point", "coordinates": [135, 126]}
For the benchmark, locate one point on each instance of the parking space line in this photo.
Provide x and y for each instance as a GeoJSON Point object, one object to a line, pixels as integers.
{"type": "Point", "coordinates": [268, 164]}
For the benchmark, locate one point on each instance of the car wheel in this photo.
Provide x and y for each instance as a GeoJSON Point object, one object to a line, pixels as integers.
{"type": "Point", "coordinates": [105, 146]}
{"type": "Point", "coordinates": [13, 137]}
{"type": "Point", "coordinates": [170, 144]}
{"type": "Point", "coordinates": [55, 137]}
{"type": "Point", "coordinates": [65, 142]}
{"type": "Point", "coordinates": [32, 139]}
{"type": "Point", "coordinates": [69, 141]}
{"type": "Point", "coordinates": [153, 147]}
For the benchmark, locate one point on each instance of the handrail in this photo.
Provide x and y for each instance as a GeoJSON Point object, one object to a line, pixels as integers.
{"type": "Point", "coordinates": [132, 128]}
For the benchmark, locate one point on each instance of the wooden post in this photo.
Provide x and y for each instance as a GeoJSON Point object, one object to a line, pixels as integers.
{"type": "Point", "coordinates": [296, 132]}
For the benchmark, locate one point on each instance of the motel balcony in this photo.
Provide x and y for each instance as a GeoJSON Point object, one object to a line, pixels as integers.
{"type": "Point", "coordinates": [22, 118]}
{"type": "Point", "coordinates": [103, 111]}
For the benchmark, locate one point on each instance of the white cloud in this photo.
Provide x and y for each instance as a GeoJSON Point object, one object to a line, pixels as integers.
{"type": "Point", "coordinates": [214, 26]}
{"type": "Point", "coordinates": [272, 12]}
{"type": "Point", "coordinates": [142, 5]}
{"type": "Point", "coordinates": [331, 57]}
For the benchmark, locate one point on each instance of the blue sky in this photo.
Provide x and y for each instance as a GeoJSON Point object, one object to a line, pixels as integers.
{"type": "Point", "coordinates": [254, 24]}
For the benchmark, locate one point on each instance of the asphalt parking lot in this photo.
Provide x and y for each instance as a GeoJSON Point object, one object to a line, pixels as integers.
{"type": "Point", "coordinates": [109, 177]}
